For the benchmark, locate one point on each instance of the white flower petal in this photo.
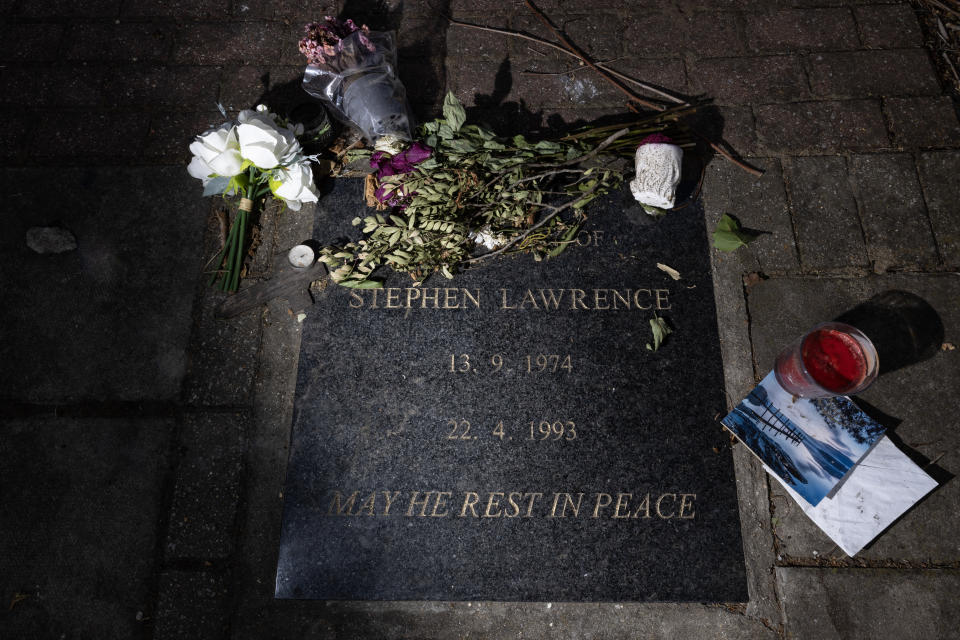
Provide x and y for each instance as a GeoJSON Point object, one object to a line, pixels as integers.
{"type": "Point", "coordinates": [199, 169]}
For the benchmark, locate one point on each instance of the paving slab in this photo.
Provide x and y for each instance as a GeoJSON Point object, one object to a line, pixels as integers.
{"type": "Point", "coordinates": [81, 502]}
{"type": "Point", "coordinates": [192, 604]}
{"type": "Point", "coordinates": [895, 222]}
{"type": "Point", "coordinates": [760, 203]}
{"type": "Point", "coordinates": [206, 492]}
{"type": "Point", "coordinates": [818, 128]}
{"type": "Point", "coordinates": [888, 26]}
{"type": "Point", "coordinates": [941, 190]}
{"type": "Point", "coordinates": [825, 213]}
{"type": "Point", "coordinates": [499, 621]}
{"type": "Point", "coordinates": [923, 122]}
{"type": "Point", "coordinates": [109, 320]}
{"type": "Point", "coordinates": [874, 604]}
{"type": "Point", "coordinates": [918, 396]}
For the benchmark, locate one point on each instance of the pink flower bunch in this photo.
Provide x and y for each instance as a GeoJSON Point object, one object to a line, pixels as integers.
{"type": "Point", "coordinates": [324, 40]}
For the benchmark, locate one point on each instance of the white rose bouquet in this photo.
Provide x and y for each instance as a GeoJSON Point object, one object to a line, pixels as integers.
{"type": "Point", "coordinates": [254, 155]}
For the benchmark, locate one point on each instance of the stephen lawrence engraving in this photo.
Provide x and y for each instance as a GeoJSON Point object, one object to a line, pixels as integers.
{"type": "Point", "coordinates": [512, 504]}
{"type": "Point", "coordinates": [553, 299]}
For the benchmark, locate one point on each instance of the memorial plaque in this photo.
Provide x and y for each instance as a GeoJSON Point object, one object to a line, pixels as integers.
{"type": "Point", "coordinates": [508, 435]}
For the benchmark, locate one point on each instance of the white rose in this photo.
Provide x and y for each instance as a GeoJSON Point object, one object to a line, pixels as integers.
{"type": "Point", "coordinates": [294, 185]}
{"type": "Point", "coordinates": [263, 143]}
{"type": "Point", "coordinates": [657, 174]}
{"type": "Point", "coordinates": [215, 152]}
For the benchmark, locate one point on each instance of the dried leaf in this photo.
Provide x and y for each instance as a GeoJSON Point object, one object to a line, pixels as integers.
{"type": "Point", "coordinates": [670, 271]}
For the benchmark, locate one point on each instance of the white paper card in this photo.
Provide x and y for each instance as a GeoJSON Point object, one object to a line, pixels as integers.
{"type": "Point", "coordinates": [878, 491]}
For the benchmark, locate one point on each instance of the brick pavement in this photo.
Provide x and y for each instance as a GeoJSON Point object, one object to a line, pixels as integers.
{"type": "Point", "coordinates": [837, 100]}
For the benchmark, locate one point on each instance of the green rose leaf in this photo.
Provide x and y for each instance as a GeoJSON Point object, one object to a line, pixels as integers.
{"type": "Point", "coordinates": [453, 112]}
{"type": "Point", "coordinates": [729, 236]}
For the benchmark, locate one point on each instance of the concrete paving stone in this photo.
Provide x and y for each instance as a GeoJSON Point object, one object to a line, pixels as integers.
{"type": "Point", "coordinates": [88, 136]}
{"type": "Point", "coordinates": [222, 352]}
{"type": "Point", "coordinates": [297, 11]}
{"type": "Point", "coordinates": [183, 87]}
{"type": "Point", "coordinates": [923, 122]}
{"type": "Point", "coordinates": [171, 132]}
{"type": "Point", "coordinates": [78, 521]}
{"type": "Point", "coordinates": [192, 604]}
{"type": "Point", "coordinates": [111, 42]}
{"type": "Point", "coordinates": [739, 129]}
{"type": "Point", "coordinates": [895, 222]}
{"type": "Point", "coordinates": [14, 136]}
{"type": "Point", "coordinates": [230, 43]}
{"type": "Point", "coordinates": [658, 35]}
{"type": "Point", "coordinates": [290, 35]}
{"type": "Point", "coordinates": [32, 42]}
{"type": "Point", "coordinates": [760, 204]}
{"type": "Point", "coordinates": [487, 84]}
{"type": "Point", "coordinates": [861, 74]}
{"type": "Point", "coordinates": [73, 86]}
{"type": "Point", "coordinates": [175, 9]}
{"type": "Point", "coordinates": [267, 451]}
{"type": "Point", "coordinates": [816, 128]}
{"type": "Point", "coordinates": [782, 309]}
{"type": "Point", "coordinates": [424, 80]}
{"type": "Point", "coordinates": [459, 9]}
{"type": "Point", "coordinates": [766, 79]}
{"type": "Point", "coordinates": [874, 604]}
{"type": "Point", "coordinates": [497, 621]}
{"type": "Point", "coordinates": [716, 34]}
{"type": "Point", "coordinates": [111, 319]}
{"type": "Point", "coordinates": [472, 45]}
{"type": "Point", "coordinates": [70, 9]}
{"type": "Point", "coordinates": [888, 26]}
{"type": "Point", "coordinates": [247, 86]}
{"type": "Point", "coordinates": [530, 55]}
{"type": "Point", "coordinates": [599, 35]}
{"type": "Point", "coordinates": [207, 487]}
{"type": "Point", "coordinates": [941, 189]}
{"type": "Point", "coordinates": [825, 214]}
{"type": "Point", "coordinates": [423, 37]}
{"type": "Point", "coordinates": [808, 29]}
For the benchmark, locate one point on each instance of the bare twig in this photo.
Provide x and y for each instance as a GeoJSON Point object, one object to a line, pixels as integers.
{"type": "Point", "coordinates": [944, 7]}
{"type": "Point", "coordinates": [587, 61]}
{"type": "Point", "coordinates": [547, 43]}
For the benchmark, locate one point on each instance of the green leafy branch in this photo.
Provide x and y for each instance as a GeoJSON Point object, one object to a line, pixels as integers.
{"type": "Point", "coordinates": [521, 195]}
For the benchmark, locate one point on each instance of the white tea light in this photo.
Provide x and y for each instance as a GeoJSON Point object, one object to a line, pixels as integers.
{"type": "Point", "coordinates": [658, 172]}
{"type": "Point", "coordinates": [301, 256]}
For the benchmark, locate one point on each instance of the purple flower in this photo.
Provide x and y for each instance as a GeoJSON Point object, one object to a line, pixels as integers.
{"type": "Point", "coordinates": [386, 165]}
{"type": "Point", "coordinates": [403, 162]}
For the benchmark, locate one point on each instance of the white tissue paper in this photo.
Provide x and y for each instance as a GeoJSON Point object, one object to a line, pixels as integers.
{"type": "Point", "coordinates": [658, 174]}
{"type": "Point", "coordinates": [878, 491]}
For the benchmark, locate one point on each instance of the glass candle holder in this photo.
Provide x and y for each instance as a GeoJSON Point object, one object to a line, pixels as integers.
{"type": "Point", "coordinates": [831, 359]}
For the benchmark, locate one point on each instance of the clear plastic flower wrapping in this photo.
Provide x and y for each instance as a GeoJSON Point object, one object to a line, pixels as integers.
{"type": "Point", "coordinates": [361, 88]}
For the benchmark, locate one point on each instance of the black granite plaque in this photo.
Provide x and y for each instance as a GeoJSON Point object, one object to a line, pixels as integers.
{"type": "Point", "coordinates": [507, 435]}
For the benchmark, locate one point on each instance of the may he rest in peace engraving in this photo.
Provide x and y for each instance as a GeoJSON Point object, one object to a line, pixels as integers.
{"type": "Point", "coordinates": [508, 435]}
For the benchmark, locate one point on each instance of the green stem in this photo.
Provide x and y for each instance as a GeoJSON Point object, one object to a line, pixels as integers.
{"type": "Point", "coordinates": [230, 248]}
{"type": "Point", "coordinates": [238, 265]}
